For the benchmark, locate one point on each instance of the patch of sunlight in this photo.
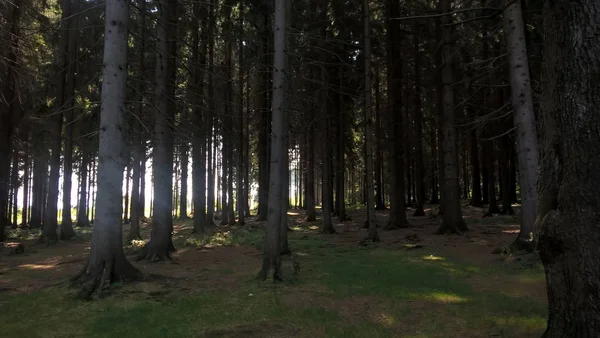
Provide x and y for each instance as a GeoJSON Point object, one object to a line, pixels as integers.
{"type": "Point", "coordinates": [296, 228]}
{"type": "Point", "coordinates": [530, 322]}
{"type": "Point", "coordinates": [444, 297]}
{"type": "Point", "coordinates": [293, 213]}
{"type": "Point", "coordinates": [37, 266]}
{"type": "Point", "coordinates": [300, 253]}
{"type": "Point", "coordinates": [512, 231]}
{"type": "Point", "coordinates": [385, 319]}
{"type": "Point", "coordinates": [138, 243]}
{"type": "Point", "coordinates": [313, 227]}
{"type": "Point", "coordinates": [433, 258]}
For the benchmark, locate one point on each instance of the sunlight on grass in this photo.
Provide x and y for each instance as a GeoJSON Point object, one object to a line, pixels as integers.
{"type": "Point", "coordinates": [386, 319]}
{"type": "Point", "coordinates": [433, 258]}
{"type": "Point", "coordinates": [445, 297]}
{"type": "Point", "coordinates": [313, 227]}
{"type": "Point", "coordinates": [291, 213]}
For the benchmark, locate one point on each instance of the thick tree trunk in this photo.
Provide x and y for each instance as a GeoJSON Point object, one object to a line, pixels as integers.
{"type": "Point", "coordinates": [210, 174]}
{"type": "Point", "coordinates": [107, 263]}
{"type": "Point", "coordinates": [379, 204]}
{"type": "Point", "coordinates": [162, 222]}
{"type": "Point", "coordinates": [395, 143]}
{"type": "Point", "coordinates": [452, 212]}
{"type": "Point", "coordinates": [524, 117]}
{"type": "Point", "coordinates": [490, 165]}
{"type": "Point", "coordinates": [264, 127]}
{"type": "Point", "coordinates": [569, 205]}
{"type": "Point", "coordinates": [272, 247]}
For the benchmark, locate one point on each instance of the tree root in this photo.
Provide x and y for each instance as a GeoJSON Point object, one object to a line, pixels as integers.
{"type": "Point", "coordinates": [97, 282]}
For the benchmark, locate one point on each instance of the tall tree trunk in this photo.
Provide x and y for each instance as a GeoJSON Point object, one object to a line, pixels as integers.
{"type": "Point", "coordinates": [264, 128]}
{"type": "Point", "coordinates": [82, 217]}
{"type": "Point", "coordinates": [311, 214]}
{"type": "Point", "coordinates": [453, 221]}
{"type": "Point", "coordinates": [242, 163]}
{"type": "Point", "coordinates": [66, 226]}
{"type": "Point", "coordinates": [379, 204]}
{"type": "Point", "coordinates": [40, 177]}
{"type": "Point", "coordinates": [489, 161]}
{"type": "Point", "coordinates": [272, 249]}
{"type": "Point", "coordinates": [162, 222]}
{"type": "Point", "coordinates": [341, 162]}
{"type": "Point", "coordinates": [8, 99]}
{"type": "Point", "coordinates": [107, 263]}
{"type": "Point", "coordinates": [210, 196]}
{"type": "Point", "coordinates": [126, 197]}
{"type": "Point", "coordinates": [14, 187]}
{"type": "Point", "coordinates": [139, 146]}
{"type": "Point", "coordinates": [569, 205]}
{"type": "Point", "coordinates": [504, 164]}
{"type": "Point", "coordinates": [372, 235]}
{"type": "Point", "coordinates": [418, 117]}
{"type": "Point", "coordinates": [524, 119]}
{"type": "Point", "coordinates": [183, 193]}
{"type": "Point", "coordinates": [26, 169]}
{"type": "Point", "coordinates": [395, 144]}
{"type": "Point", "coordinates": [476, 198]}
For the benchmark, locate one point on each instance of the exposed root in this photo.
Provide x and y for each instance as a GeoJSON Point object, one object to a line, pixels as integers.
{"type": "Point", "coordinates": [271, 265]}
{"type": "Point", "coordinates": [97, 281]}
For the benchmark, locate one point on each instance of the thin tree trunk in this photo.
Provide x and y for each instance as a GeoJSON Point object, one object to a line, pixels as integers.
{"type": "Point", "coordinates": [126, 197]}
{"type": "Point", "coordinates": [524, 119]}
{"type": "Point", "coordinates": [379, 205]}
{"type": "Point", "coordinates": [26, 169]}
{"type": "Point", "coordinates": [82, 218]}
{"type": "Point", "coordinates": [241, 170]}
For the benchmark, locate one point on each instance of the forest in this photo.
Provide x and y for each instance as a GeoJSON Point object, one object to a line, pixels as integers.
{"type": "Point", "coordinates": [307, 168]}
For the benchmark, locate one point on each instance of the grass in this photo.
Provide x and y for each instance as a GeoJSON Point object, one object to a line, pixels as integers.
{"type": "Point", "coordinates": [342, 291]}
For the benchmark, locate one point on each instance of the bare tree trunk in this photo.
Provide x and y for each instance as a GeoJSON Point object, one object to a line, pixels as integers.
{"type": "Point", "coordinates": [569, 205]}
{"type": "Point", "coordinates": [371, 221]}
{"type": "Point", "coordinates": [210, 185]}
{"type": "Point", "coordinates": [311, 214]}
{"type": "Point", "coordinates": [107, 263]}
{"type": "Point", "coordinates": [524, 119]}
{"type": "Point", "coordinates": [418, 117]}
{"type": "Point", "coordinates": [26, 169]}
{"type": "Point", "coordinates": [272, 249]}
{"type": "Point", "coordinates": [395, 143]}
{"type": "Point", "coordinates": [127, 195]}
{"type": "Point", "coordinates": [453, 221]}
{"type": "Point", "coordinates": [8, 99]}
{"type": "Point", "coordinates": [241, 177]}
{"type": "Point", "coordinates": [341, 161]}
{"type": "Point", "coordinates": [82, 218]}
{"type": "Point", "coordinates": [162, 222]}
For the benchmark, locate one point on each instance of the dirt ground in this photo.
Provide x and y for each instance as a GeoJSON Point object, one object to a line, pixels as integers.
{"type": "Point", "coordinates": [223, 267]}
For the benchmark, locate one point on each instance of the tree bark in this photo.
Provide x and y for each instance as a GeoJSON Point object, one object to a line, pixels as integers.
{"type": "Point", "coordinates": [107, 263]}
{"type": "Point", "coordinates": [569, 205]}
{"type": "Point", "coordinates": [452, 212]}
{"type": "Point", "coordinates": [418, 117]}
{"type": "Point", "coordinates": [395, 144]}
{"type": "Point", "coordinates": [26, 183]}
{"type": "Point", "coordinates": [82, 218]}
{"type": "Point", "coordinates": [272, 248]}
{"type": "Point", "coordinates": [242, 163]}
{"type": "Point", "coordinates": [162, 222]}
{"type": "Point", "coordinates": [372, 234]}
{"type": "Point", "coordinates": [524, 118]}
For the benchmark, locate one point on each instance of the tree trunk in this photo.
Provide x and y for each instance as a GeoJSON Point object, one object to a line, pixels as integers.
{"type": "Point", "coordinates": [311, 214]}
{"type": "Point", "coordinates": [210, 185]}
{"type": "Point", "coordinates": [504, 164]}
{"type": "Point", "coordinates": [264, 128]}
{"type": "Point", "coordinates": [372, 234]}
{"type": "Point", "coordinates": [524, 118]}
{"type": "Point", "coordinates": [26, 169]}
{"type": "Point", "coordinates": [40, 176]}
{"type": "Point", "coordinates": [272, 249]}
{"type": "Point", "coordinates": [379, 204]}
{"type": "Point", "coordinates": [476, 199]}
{"type": "Point", "coordinates": [241, 169]}
{"type": "Point", "coordinates": [162, 222]}
{"type": "Point", "coordinates": [341, 162]}
{"type": "Point", "coordinates": [14, 187]}
{"type": "Point", "coordinates": [107, 263]}
{"type": "Point", "coordinates": [183, 193]}
{"type": "Point", "coordinates": [452, 212]}
{"type": "Point", "coordinates": [126, 197]}
{"type": "Point", "coordinates": [490, 165]}
{"type": "Point", "coordinates": [418, 117]}
{"type": "Point", "coordinates": [82, 218]}
{"type": "Point", "coordinates": [395, 144]}
{"type": "Point", "coordinates": [569, 205]}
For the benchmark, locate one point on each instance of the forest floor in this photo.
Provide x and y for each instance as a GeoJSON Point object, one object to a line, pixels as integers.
{"type": "Point", "coordinates": [412, 284]}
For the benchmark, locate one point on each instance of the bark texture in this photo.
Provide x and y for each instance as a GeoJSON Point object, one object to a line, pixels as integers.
{"type": "Point", "coordinates": [107, 263]}
{"type": "Point", "coordinates": [524, 117]}
{"type": "Point", "coordinates": [569, 207]}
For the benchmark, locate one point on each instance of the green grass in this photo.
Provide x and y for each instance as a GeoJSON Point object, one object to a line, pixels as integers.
{"type": "Point", "coordinates": [355, 292]}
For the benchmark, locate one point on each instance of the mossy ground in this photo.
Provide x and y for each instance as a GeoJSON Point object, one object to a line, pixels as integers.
{"type": "Point", "coordinates": [412, 284]}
